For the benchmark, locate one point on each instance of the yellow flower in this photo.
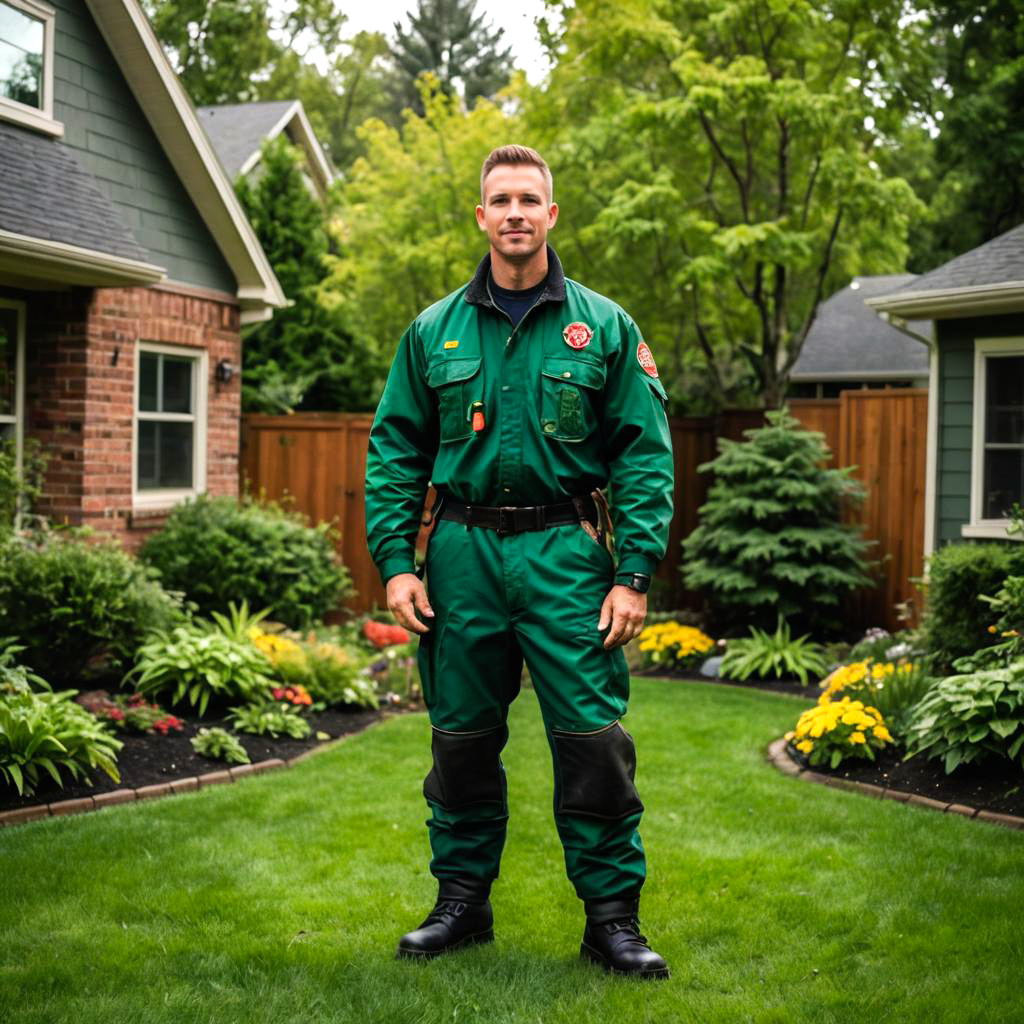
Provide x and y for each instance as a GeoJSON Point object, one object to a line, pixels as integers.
{"type": "Point", "coordinates": [805, 745]}
{"type": "Point", "coordinates": [881, 732]}
{"type": "Point", "coordinates": [857, 737]}
{"type": "Point", "coordinates": [993, 629]}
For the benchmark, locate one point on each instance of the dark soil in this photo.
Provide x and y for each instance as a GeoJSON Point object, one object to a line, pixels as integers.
{"type": "Point", "coordinates": [990, 785]}
{"type": "Point", "coordinates": [147, 759]}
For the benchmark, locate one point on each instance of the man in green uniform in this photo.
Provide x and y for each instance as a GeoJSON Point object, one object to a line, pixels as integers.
{"type": "Point", "coordinates": [518, 396]}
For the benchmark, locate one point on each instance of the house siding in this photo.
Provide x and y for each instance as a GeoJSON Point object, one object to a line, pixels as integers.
{"type": "Point", "coordinates": [109, 133]}
{"type": "Point", "coordinates": [956, 340]}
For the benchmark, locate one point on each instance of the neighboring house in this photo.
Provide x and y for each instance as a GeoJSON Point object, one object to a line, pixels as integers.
{"type": "Point", "coordinates": [849, 347]}
{"type": "Point", "coordinates": [976, 390]}
{"type": "Point", "coordinates": [127, 268]}
{"type": "Point", "coordinates": [239, 130]}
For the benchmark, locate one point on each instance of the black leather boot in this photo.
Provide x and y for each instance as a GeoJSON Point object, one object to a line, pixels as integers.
{"type": "Point", "coordinates": [461, 917]}
{"type": "Point", "coordinates": [612, 939]}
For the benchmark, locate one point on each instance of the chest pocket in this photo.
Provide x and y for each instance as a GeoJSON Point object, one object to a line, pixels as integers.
{"type": "Point", "coordinates": [458, 383]}
{"type": "Point", "coordinates": [569, 391]}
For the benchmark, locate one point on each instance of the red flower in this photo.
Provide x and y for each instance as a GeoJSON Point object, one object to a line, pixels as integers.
{"type": "Point", "coordinates": [380, 634]}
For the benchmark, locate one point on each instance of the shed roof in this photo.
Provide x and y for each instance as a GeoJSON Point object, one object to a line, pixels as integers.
{"type": "Point", "coordinates": [848, 341]}
{"type": "Point", "coordinates": [237, 130]}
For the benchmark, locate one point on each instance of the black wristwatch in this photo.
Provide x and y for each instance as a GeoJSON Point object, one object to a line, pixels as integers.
{"type": "Point", "coordinates": [638, 581]}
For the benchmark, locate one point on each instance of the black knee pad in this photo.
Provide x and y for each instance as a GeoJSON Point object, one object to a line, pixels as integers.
{"type": "Point", "coordinates": [594, 773]}
{"type": "Point", "coordinates": [467, 768]}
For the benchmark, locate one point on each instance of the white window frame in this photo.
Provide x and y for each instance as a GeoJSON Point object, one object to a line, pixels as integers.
{"type": "Point", "coordinates": [984, 349]}
{"type": "Point", "coordinates": [155, 499]}
{"type": "Point", "coordinates": [18, 419]}
{"type": "Point", "coordinates": [41, 120]}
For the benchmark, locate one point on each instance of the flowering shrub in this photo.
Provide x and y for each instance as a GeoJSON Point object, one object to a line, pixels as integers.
{"type": "Point", "coordinates": [297, 695]}
{"type": "Point", "coordinates": [289, 660]}
{"type": "Point", "coordinates": [130, 712]}
{"type": "Point", "coordinates": [832, 730]}
{"type": "Point", "coordinates": [673, 645]}
{"type": "Point", "coordinates": [894, 688]}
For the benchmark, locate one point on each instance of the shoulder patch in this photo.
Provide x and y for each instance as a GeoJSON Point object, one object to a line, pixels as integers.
{"type": "Point", "coordinates": [645, 358]}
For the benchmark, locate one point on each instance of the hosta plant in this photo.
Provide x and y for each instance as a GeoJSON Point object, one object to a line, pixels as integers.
{"type": "Point", "coordinates": [773, 654]}
{"type": "Point", "coordinates": [834, 730]}
{"type": "Point", "coordinates": [972, 717]}
{"type": "Point", "coordinates": [220, 744]}
{"type": "Point", "coordinates": [270, 717]}
{"type": "Point", "coordinates": [49, 732]}
{"type": "Point", "coordinates": [193, 664]}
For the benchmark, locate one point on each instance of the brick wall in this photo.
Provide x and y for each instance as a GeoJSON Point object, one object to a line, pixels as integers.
{"type": "Point", "coordinates": [80, 373]}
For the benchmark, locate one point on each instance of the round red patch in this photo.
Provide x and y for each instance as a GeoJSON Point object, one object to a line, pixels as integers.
{"type": "Point", "coordinates": [577, 335]}
{"type": "Point", "coordinates": [646, 359]}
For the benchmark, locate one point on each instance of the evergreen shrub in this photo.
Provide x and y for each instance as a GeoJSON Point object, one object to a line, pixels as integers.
{"type": "Point", "coordinates": [770, 540]}
{"type": "Point", "coordinates": [222, 550]}
{"type": "Point", "coordinates": [77, 607]}
{"type": "Point", "coordinates": [957, 618]}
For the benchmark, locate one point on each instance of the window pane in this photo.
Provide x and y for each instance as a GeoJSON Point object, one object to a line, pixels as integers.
{"type": "Point", "coordinates": [1004, 482]}
{"type": "Point", "coordinates": [148, 365]}
{"type": "Point", "coordinates": [177, 384]}
{"type": "Point", "coordinates": [8, 361]}
{"type": "Point", "coordinates": [165, 455]}
{"type": "Point", "coordinates": [1004, 400]}
{"type": "Point", "coordinates": [21, 56]}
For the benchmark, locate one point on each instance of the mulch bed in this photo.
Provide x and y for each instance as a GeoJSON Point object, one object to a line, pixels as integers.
{"type": "Point", "coordinates": [993, 785]}
{"type": "Point", "coordinates": [147, 759]}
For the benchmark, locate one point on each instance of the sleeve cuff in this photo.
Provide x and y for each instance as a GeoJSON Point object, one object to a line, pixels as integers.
{"type": "Point", "coordinates": [634, 563]}
{"type": "Point", "coordinates": [394, 565]}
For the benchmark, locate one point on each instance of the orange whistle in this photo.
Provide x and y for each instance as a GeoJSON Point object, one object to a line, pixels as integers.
{"type": "Point", "coordinates": [477, 408]}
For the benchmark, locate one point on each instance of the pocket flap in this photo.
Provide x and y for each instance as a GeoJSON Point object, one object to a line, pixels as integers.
{"type": "Point", "coordinates": [575, 371]}
{"type": "Point", "coordinates": [657, 387]}
{"type": "Point", "coordinates": [448, 371]}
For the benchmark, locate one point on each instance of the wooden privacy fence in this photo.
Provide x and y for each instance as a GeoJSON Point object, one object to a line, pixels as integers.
{"type": "Point", "coordinates": [319, 459]}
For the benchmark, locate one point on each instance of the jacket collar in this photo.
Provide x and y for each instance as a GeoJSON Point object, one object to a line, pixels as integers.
{"type": "Point", "coordinates": [476, 293]}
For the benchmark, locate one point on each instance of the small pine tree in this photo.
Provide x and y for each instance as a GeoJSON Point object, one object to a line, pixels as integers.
{"type": "Point", "coordinates": [770, 539]}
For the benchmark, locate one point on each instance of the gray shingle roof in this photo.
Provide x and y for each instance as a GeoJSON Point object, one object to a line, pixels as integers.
{"type": "Point", "coordinates": [848, 338]}
{"type": "Point", "coordinates": [47, 194]}
{"type": "Point", "coordinates": [994, 262]}
{"type": "Point", "coordinates": [237, 130]}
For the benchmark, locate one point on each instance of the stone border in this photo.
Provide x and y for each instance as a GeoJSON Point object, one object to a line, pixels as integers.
{"type": "Point", "coordinates": [19, 815]}
{"type": "Point", "coordinates": [780, 756]}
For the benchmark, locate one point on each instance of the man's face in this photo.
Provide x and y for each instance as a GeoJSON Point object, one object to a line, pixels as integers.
{"type": "Point", "coordinates": [517, 211]}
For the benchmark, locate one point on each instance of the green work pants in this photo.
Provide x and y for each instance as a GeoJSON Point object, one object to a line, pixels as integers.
{"type": "Point", "coordinates": [499, 600]}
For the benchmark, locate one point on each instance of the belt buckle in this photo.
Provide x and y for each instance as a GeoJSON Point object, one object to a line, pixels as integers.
{"type": "Point", "coordinates": [506, 520]}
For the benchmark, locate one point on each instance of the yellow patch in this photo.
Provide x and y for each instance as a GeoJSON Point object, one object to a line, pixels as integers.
{"type": "Point", "coordinates": [451, 344]}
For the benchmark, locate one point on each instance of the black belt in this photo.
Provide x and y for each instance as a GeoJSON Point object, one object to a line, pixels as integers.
{"type": "Point", "coordinates": [509, 519]}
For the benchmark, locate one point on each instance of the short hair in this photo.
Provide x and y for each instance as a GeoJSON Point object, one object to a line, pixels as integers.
{"type": "Point", "coordinates": [512, 155]}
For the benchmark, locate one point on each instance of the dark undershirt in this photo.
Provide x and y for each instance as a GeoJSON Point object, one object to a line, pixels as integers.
{"type": "Point", "coordinates": [515, 304]}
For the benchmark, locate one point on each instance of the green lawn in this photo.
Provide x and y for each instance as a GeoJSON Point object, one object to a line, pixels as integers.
{"type": "Point", "coordinates": [280, 898]}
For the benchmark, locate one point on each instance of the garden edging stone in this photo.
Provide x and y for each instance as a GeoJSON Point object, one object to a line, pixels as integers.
{"type": "Point", "coordinates": [780, 757]}
{"type": "Point", "coordinates": [187, 784]}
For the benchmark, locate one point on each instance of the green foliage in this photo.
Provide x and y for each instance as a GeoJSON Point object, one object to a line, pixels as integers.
{"type": "Point", "coordinates": [238, 624]}
{"type": "Point", "coordinates": [972, 717]}
{"type": "Point", "coordinates": [46, 731]}
{"type": "Point", "coordinates": [271, 717]}
{"type": "Point", "coordinates": [78, 607]}
{"type": "Point", "coordinates": [220, 744]}
{"type": "Point", "coordinates": [337, 675]}
{"type": "Point", "coordinates": [773, 654]}
{"type": "Point", "coordinates": [302, 358]}
{"type": "Point", "coordinates": [448, 39]}
{"type": "Point", "coordinates": [219, 550]}
{"type": "Point", "coordinates": [197, 664]}
{"type": "Point", "coordinates": [770, 540]}
{"type": "Point", "coordinates": [723, 179]}
{"type": "Point", "coordinates": [19, 487]}
{"type": "Point", "coordinates": [956, 618]}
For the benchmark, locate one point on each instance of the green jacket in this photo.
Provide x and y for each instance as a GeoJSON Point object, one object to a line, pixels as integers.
{"type": "Point", "coordinates": [559, 418]}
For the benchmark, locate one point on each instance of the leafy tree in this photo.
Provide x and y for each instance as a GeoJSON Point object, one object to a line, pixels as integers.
{"type": "Point", "coordinates": [720, 173]}
{"type": "Point", "coordinates": [405, 227]}
{"type": "Point", "coordinates": [770, 541]}
{"type": "Point", "coordinates": [302, 358]}
{"type": "Point", "coordinates": [450, 40]}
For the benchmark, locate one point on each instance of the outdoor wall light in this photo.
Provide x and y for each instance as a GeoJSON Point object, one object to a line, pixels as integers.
{"type": "Point", "coordinates": [223, 372]}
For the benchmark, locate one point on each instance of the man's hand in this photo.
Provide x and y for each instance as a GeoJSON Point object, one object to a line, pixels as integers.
{"type": "Point", "coordinates": [626, 610]}
{"type": "Point", "coordinates": [405, 595]}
